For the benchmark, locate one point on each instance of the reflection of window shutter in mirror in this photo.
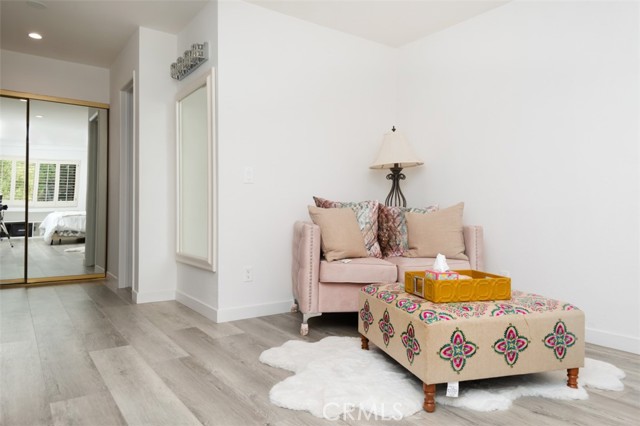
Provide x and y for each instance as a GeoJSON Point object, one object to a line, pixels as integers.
{"type": "Point", "coordinates": [46, 181]}
{"type": "Point", "coordinates": [32, 175]}
{"type": "Point", "coordinates": [67, 182]}
{"type": "Point", "coordinates": [18, 192]}
{"type": "Point", "coordinates": [5, 179]}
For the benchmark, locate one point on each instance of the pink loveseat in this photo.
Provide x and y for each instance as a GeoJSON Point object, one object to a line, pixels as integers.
{"type": "Point", "coordinates": [320, 286]}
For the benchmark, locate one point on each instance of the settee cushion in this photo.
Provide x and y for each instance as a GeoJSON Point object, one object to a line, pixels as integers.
{"type": "Point", "coordinates": [367, 216]}
{"type": "Point", "coordinates": [437, 232]}
{"type": "Point", "coordinates": [340, 233]}
{"type": "Point", "coordinates": [364, 270]}
{"type": "Point", "coordinates": [406, 264]}
{"type": "Point", "coordinates": [392, 228]}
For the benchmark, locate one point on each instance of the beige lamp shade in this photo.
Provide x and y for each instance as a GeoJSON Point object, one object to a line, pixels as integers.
{"type": "Point", "coordinates": [395, 150]}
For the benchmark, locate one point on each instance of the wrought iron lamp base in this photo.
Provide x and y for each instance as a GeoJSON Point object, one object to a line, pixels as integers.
{"type": "Point", "coordinates": [395, 197]}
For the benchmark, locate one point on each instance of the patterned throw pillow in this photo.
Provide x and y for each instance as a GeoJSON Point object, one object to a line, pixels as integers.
{"type": "Point", "coordinates": [367, 215]}
{"type": "Point", "coordinates": [392, 232]}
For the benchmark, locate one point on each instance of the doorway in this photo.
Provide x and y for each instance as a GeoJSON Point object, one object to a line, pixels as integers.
{"type": "Point", "coordinates": [53, 183]}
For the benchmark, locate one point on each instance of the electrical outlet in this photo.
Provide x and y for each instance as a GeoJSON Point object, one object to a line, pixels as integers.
{"type": "Point", "coordinates": [247, 273]}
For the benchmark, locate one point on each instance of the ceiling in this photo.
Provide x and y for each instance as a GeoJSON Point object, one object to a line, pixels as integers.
{"type": "Point", "coordinates": [391, 22]}
{"type": "Point", "coordinates": [93, 32]}
{"type": "Point", "coordinates": [90, 32]}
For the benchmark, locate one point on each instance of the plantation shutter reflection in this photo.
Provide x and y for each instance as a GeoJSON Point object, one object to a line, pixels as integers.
{"type": "Point", "coordinates": [51, 183]}
{"type": "Point", "coordinates": [6, 171]}
{"type": "Point", "coordinates": [67, 182]}
{"type": "Point", "coordinates": [18, 191]}
{"type": "Point", "coordinates": [46, 181]}
{"type": "Point", "coordinates": [20, 180]}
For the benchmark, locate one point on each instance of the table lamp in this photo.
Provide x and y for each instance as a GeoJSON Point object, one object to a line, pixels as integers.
{"type": "Point", "coordinates": [395, 154]}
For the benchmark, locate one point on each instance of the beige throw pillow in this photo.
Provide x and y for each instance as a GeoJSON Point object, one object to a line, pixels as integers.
{"type": "Point", "coordinates": [341, 236]}
{"type": "Point", "coordinates": [436, 232]}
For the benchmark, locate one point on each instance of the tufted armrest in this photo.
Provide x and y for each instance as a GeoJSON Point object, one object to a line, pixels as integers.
{"type": "Point", "coordinates": [474, 245]}
{"type": "Point", "coordinates": [305, 267]}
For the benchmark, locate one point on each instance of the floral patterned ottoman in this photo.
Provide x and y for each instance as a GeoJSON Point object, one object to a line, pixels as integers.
{"type": "Point", "coordinates": [450, 342]}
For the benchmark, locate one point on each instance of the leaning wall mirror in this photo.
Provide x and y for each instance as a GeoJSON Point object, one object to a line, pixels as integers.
{"type": "Point", "coordinates": [196, 195]}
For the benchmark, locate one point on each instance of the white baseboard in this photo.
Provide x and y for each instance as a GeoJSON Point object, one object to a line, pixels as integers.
{"type": "Point", "coordinates": [253, 311]}
{"type": "Point", "coordinates": [153, 296]}
{"type": "Point", "coordinates": [233, 314]}
{"type": "Point", "coordinates": [198, 306]}
{"type": "Point", "coordinates": [613, 340]}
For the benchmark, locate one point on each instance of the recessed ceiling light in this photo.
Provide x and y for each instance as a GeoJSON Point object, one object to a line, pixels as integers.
{"type": "Point", "coordinates": [23, 100]}
{"type": "Point", "coordinates": [35, 36]}
{"type": "Point", "coordinates": [39, 116]}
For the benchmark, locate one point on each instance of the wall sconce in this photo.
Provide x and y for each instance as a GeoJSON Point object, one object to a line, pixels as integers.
{"type": "Point", "coordinates": [191, 60]}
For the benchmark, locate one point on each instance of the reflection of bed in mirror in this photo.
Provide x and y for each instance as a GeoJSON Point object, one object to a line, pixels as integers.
{"type": "Point", "coordinates": [59, 226]}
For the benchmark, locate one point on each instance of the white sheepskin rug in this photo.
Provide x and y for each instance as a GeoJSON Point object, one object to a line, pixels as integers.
{"type": "Point", "coordinates": [334, 377]}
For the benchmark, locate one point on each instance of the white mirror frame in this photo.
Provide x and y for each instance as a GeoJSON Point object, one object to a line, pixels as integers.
{"type": "Point", "coordinates": [201, 260]}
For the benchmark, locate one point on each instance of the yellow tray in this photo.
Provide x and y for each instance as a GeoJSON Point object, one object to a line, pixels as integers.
{"type": "Point", "coordinates": [481, 286]}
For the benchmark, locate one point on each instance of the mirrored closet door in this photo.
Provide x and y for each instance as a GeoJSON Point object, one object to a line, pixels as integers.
{"type": "Point", "coordinates": [54, 187]}
{"type": "Point", "coordinates": [13, 149]}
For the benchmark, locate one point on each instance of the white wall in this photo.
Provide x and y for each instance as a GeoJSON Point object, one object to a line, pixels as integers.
{"type": "Point", "coordinates": [156, 167]}
{"type": "Point", "coordinates": [44, 76]}
{"type": "Point", "coordinates": [529, 114]}
{"type": "Point", "coordinates": [198, 288]}
{"type": "Point", "coordinates": [146, 60]}
{"type": "Point", "coordinates": [306, 108]}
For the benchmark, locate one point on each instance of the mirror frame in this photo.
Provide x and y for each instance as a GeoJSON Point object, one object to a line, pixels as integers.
{"type": "Point", "coordinates": [208, 262]}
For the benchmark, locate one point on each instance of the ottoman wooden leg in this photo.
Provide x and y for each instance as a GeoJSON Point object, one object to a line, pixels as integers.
{"type": "Point", "coordinates": [572, 377]}
{"type": "Point", "coordinates": [365, 342]}
{"type": "Point", "coordinates": [429, 397]}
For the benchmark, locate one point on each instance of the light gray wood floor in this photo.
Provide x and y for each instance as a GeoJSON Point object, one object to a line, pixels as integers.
{"type": "Point", "coordinates": [81, 355]}
{"type": "Point", "coordinates": [44, 260]}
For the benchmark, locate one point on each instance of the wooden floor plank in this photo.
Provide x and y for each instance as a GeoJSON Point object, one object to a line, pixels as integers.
{"type": "Point", "coordinates": [14, 300]}
{"type": "Point", "coordinates": [15, 316]}
{"type": "Point", "coordinates": [171, 316]}
{"type": "Point", "coordinates": [95, 410]}
{"type": "Point", "coordinates": [237, 370]}
{"type": "Point", "coordinates": [141, 396]}
{"type": "Point", "coordinates": [93, 327]}
{"type": "Point", "coordinates": [149, 341]}
{"type": "Point", "coordinates": [197, 388]}
{"type": "Point", "coordinates": [104, 297]}
{"type": "Point", "coordinates": [67, 368]}
{"type": "Point", "coordinates": [23, 395]}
